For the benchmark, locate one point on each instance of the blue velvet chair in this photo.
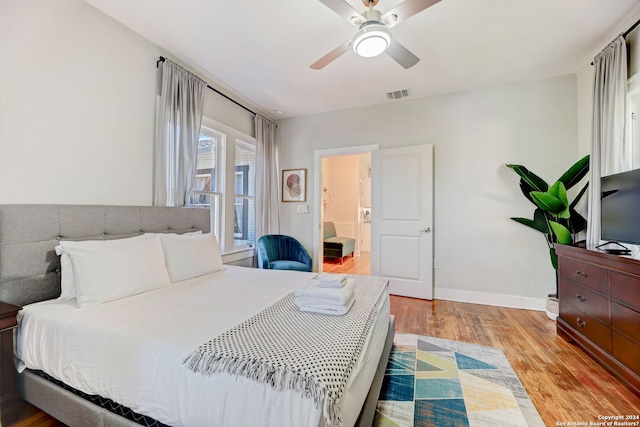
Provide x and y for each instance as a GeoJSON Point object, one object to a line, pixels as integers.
{"type": "Point", "coordinates": [280, 252]}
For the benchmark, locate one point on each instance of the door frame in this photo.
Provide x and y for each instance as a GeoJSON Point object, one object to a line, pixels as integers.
{"type": "Point", "coordinates": [318, 212]}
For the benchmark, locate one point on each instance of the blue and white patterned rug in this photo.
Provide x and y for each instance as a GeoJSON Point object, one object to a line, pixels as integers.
{"type": "Point", "coordinates": [437, 382]}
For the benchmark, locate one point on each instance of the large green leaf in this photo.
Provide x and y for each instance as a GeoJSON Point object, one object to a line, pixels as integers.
{"type": "Point", "coordinates": [540, 222]}
{"type": "Point", "coordinates": [564, 214]}
{"type": "Point", "coordinates": [557, 190]}
{"type": "Point", "coordinates": [575, 173]}
{"type": "Point", "coordinates": [562, 234]}
{"type": "Point", "coordinates": [554, 258]}
{"type": "Point", "coordinates": [531, 179]}
{"type": "Point", "coordinates": [533, 224]}
{"type": "Point", "coordinates": [579, 196]}
{"type": "Point", "coordinates": [541, 219]}
{"type": "Point", "coordinates": [526, 190]}
{"type": "Point", "coordinates": [575, 224]}
{"type": "Point", "coordinates": [548, 202]}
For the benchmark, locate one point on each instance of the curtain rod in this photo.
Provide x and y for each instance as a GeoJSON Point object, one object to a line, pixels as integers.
{"type": "Point", "coordinates": [162, 59]}
{"type": "Point", "coordinates": [626, 33]}
{"type": "Point", "coordinates": [633, 27]}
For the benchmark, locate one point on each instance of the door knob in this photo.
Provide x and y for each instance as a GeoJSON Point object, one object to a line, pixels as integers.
{"type": "Point", "coordinates": [425, 230]}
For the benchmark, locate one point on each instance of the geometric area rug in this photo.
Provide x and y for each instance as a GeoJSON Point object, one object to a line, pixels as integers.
{"type": "Point", "coordinates": [437, 382]}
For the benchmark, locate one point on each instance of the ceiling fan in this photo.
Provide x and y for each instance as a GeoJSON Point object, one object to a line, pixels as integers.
{"type": "Point", "coordinates": [373, 36]}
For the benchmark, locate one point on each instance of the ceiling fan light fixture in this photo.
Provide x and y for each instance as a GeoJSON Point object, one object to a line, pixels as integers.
{"type": "Point", "coordinates": [371, 40]}
{"type": "Point", "coordinates": [356, 20]}
{"type": "Point", "coordinates": [391, 19]}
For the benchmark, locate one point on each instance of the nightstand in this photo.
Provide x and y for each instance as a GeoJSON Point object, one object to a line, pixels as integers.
{"type": "Point", "coordinates": [10, 402]}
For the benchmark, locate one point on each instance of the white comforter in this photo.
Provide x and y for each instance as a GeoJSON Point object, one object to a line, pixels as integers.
{"type": "Point", "coordinates": [131, 351]}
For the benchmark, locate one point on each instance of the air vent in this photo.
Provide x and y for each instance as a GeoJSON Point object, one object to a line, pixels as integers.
{"type": "Point", "coordinates": [398, 94]}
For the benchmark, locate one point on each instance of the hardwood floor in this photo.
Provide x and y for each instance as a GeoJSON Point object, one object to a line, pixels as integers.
{"type": "Point", "coordinates": [565, 385]}
{"type": "Point", "coordinates": [351, 264]}
{"type": "Point", "coordinates": [32, 417]}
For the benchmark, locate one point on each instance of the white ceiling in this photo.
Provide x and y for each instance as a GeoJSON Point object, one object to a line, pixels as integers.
{"type": "Point", "coordinates": [261, 50]}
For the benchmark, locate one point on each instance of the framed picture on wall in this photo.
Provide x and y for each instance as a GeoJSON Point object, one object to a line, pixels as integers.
{"type": "Point", "coordinates": [294, 185]}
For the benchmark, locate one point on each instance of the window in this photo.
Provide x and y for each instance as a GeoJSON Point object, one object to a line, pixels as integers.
{"type": "Point", "coordinates": [206, 192]}
{"type": "Point", "coordinates": [244, 232]}
{"type": "Point", "coordinates": [227, 188]}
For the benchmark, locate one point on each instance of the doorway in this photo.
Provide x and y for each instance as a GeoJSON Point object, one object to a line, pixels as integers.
{"type": "Point", "coordinates": [401, 215]}
{"type": "Point", "coordinates": [334, 190]}
{"type": "Point", "coordinates": [346, 205]}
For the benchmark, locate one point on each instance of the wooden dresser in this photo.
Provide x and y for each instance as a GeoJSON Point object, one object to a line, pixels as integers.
{"type": "Point", "coordinates": [599, 298]}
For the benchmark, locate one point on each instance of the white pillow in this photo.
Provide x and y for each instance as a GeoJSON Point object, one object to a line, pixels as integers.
{"type": "Point", "coordinates": [189, 256]}
{"type": "Point", "coordinates": [67, 285]}
{"type": "Point", "coordinates": [106, 270]}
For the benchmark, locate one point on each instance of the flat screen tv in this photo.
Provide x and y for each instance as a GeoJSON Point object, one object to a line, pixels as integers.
{"type": "Point", "coordinates": [621, 207]}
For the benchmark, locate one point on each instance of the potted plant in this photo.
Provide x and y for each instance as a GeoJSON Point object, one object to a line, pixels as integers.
{"type": "Point", "coordinates": [554, 216]}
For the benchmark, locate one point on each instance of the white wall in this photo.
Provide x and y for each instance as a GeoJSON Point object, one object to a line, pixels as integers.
{"type": "Point", "coordinates": [77, 106]}
{"type": "Point", "coordinates": [477, 247]}
{"type": "Point", "coordinates": [341, 175]}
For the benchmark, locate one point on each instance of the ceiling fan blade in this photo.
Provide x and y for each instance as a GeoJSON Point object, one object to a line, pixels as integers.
{"type": "Point", "coordinates": [406, 10]}
{"type": "Point", "coordinates": [331, 56]}
{"type": "Point", "coordinates": [401, 54]}
{"type": "Point", "coordinates": [343, 9]}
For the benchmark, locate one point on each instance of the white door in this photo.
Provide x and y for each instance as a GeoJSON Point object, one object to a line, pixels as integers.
{"type": "Point", "coordinates": [402, 215]}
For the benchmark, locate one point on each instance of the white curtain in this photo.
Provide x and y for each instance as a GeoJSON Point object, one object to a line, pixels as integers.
{"type": "Point", "coordinates": [610, 153]}
{"type": "Point", "coordinates": [178, 129]}
{"type": "Point", "coordinates": [267, 217]}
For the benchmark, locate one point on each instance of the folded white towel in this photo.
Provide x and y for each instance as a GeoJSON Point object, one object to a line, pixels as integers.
{"type": "Point", "coordinates": [311, 289]}
{"type": "Point", "coordinates": [322, 301]}
{"type": "Point", "coordinates": [332, 284]}
{"type": "Point", "coordinates": [332, 309]}
{"type": "Point", "coordinates": [331, 280]}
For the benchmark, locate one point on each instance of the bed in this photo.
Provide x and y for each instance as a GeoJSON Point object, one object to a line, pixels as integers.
{"type": "Point", "coordinates": [154, 394]}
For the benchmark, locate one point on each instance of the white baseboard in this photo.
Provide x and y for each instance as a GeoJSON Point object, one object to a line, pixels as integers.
{"type": "Point", "coordinates": [500, 300]}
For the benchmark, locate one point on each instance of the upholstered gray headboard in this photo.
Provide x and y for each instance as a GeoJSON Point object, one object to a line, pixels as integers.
{"type": "Point", "coordinates": [29, 267]}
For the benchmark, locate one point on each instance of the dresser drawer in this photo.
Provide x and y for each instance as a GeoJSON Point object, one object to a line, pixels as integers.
{"type": "Point", "coordinates": [625, 320]}
{"type": "Point", "coordinates": [627, 352]}
{"type": "Point", "coordinates": [585, 299]}
{"type": "Point", "coordinates": [626, 289]}
{"type": "Point", "coordinates": [586, 275]}
{"type": "Point", "coordinates": [595, 330]}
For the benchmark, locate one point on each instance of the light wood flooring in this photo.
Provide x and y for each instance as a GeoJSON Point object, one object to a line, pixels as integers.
{"type": "Point", "coordinates": [565, 385]}
{"type": "Point", "coordinates": [351, 264]}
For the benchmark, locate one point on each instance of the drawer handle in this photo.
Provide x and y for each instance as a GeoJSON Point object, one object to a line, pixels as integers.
{"type": "Point", "coordinates": [581, 323]}
{"type": "Point", "coordinates": [580, 298]}
{"type": "Point", "coordinates": [580, 273]}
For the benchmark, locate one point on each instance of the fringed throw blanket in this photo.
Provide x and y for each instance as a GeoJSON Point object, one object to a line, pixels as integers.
{"type": "Point", "coordinates": [288, 349]}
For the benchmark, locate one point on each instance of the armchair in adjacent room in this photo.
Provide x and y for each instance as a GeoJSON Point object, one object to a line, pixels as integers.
{"type": "Point", "coordinates": [336, 246]}
{"type": "Point", "coordinates": [280, 252]}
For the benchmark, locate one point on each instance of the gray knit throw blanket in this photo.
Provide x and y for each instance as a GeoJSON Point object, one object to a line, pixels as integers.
{"type": "Point", "coordinates": [289, 349]}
